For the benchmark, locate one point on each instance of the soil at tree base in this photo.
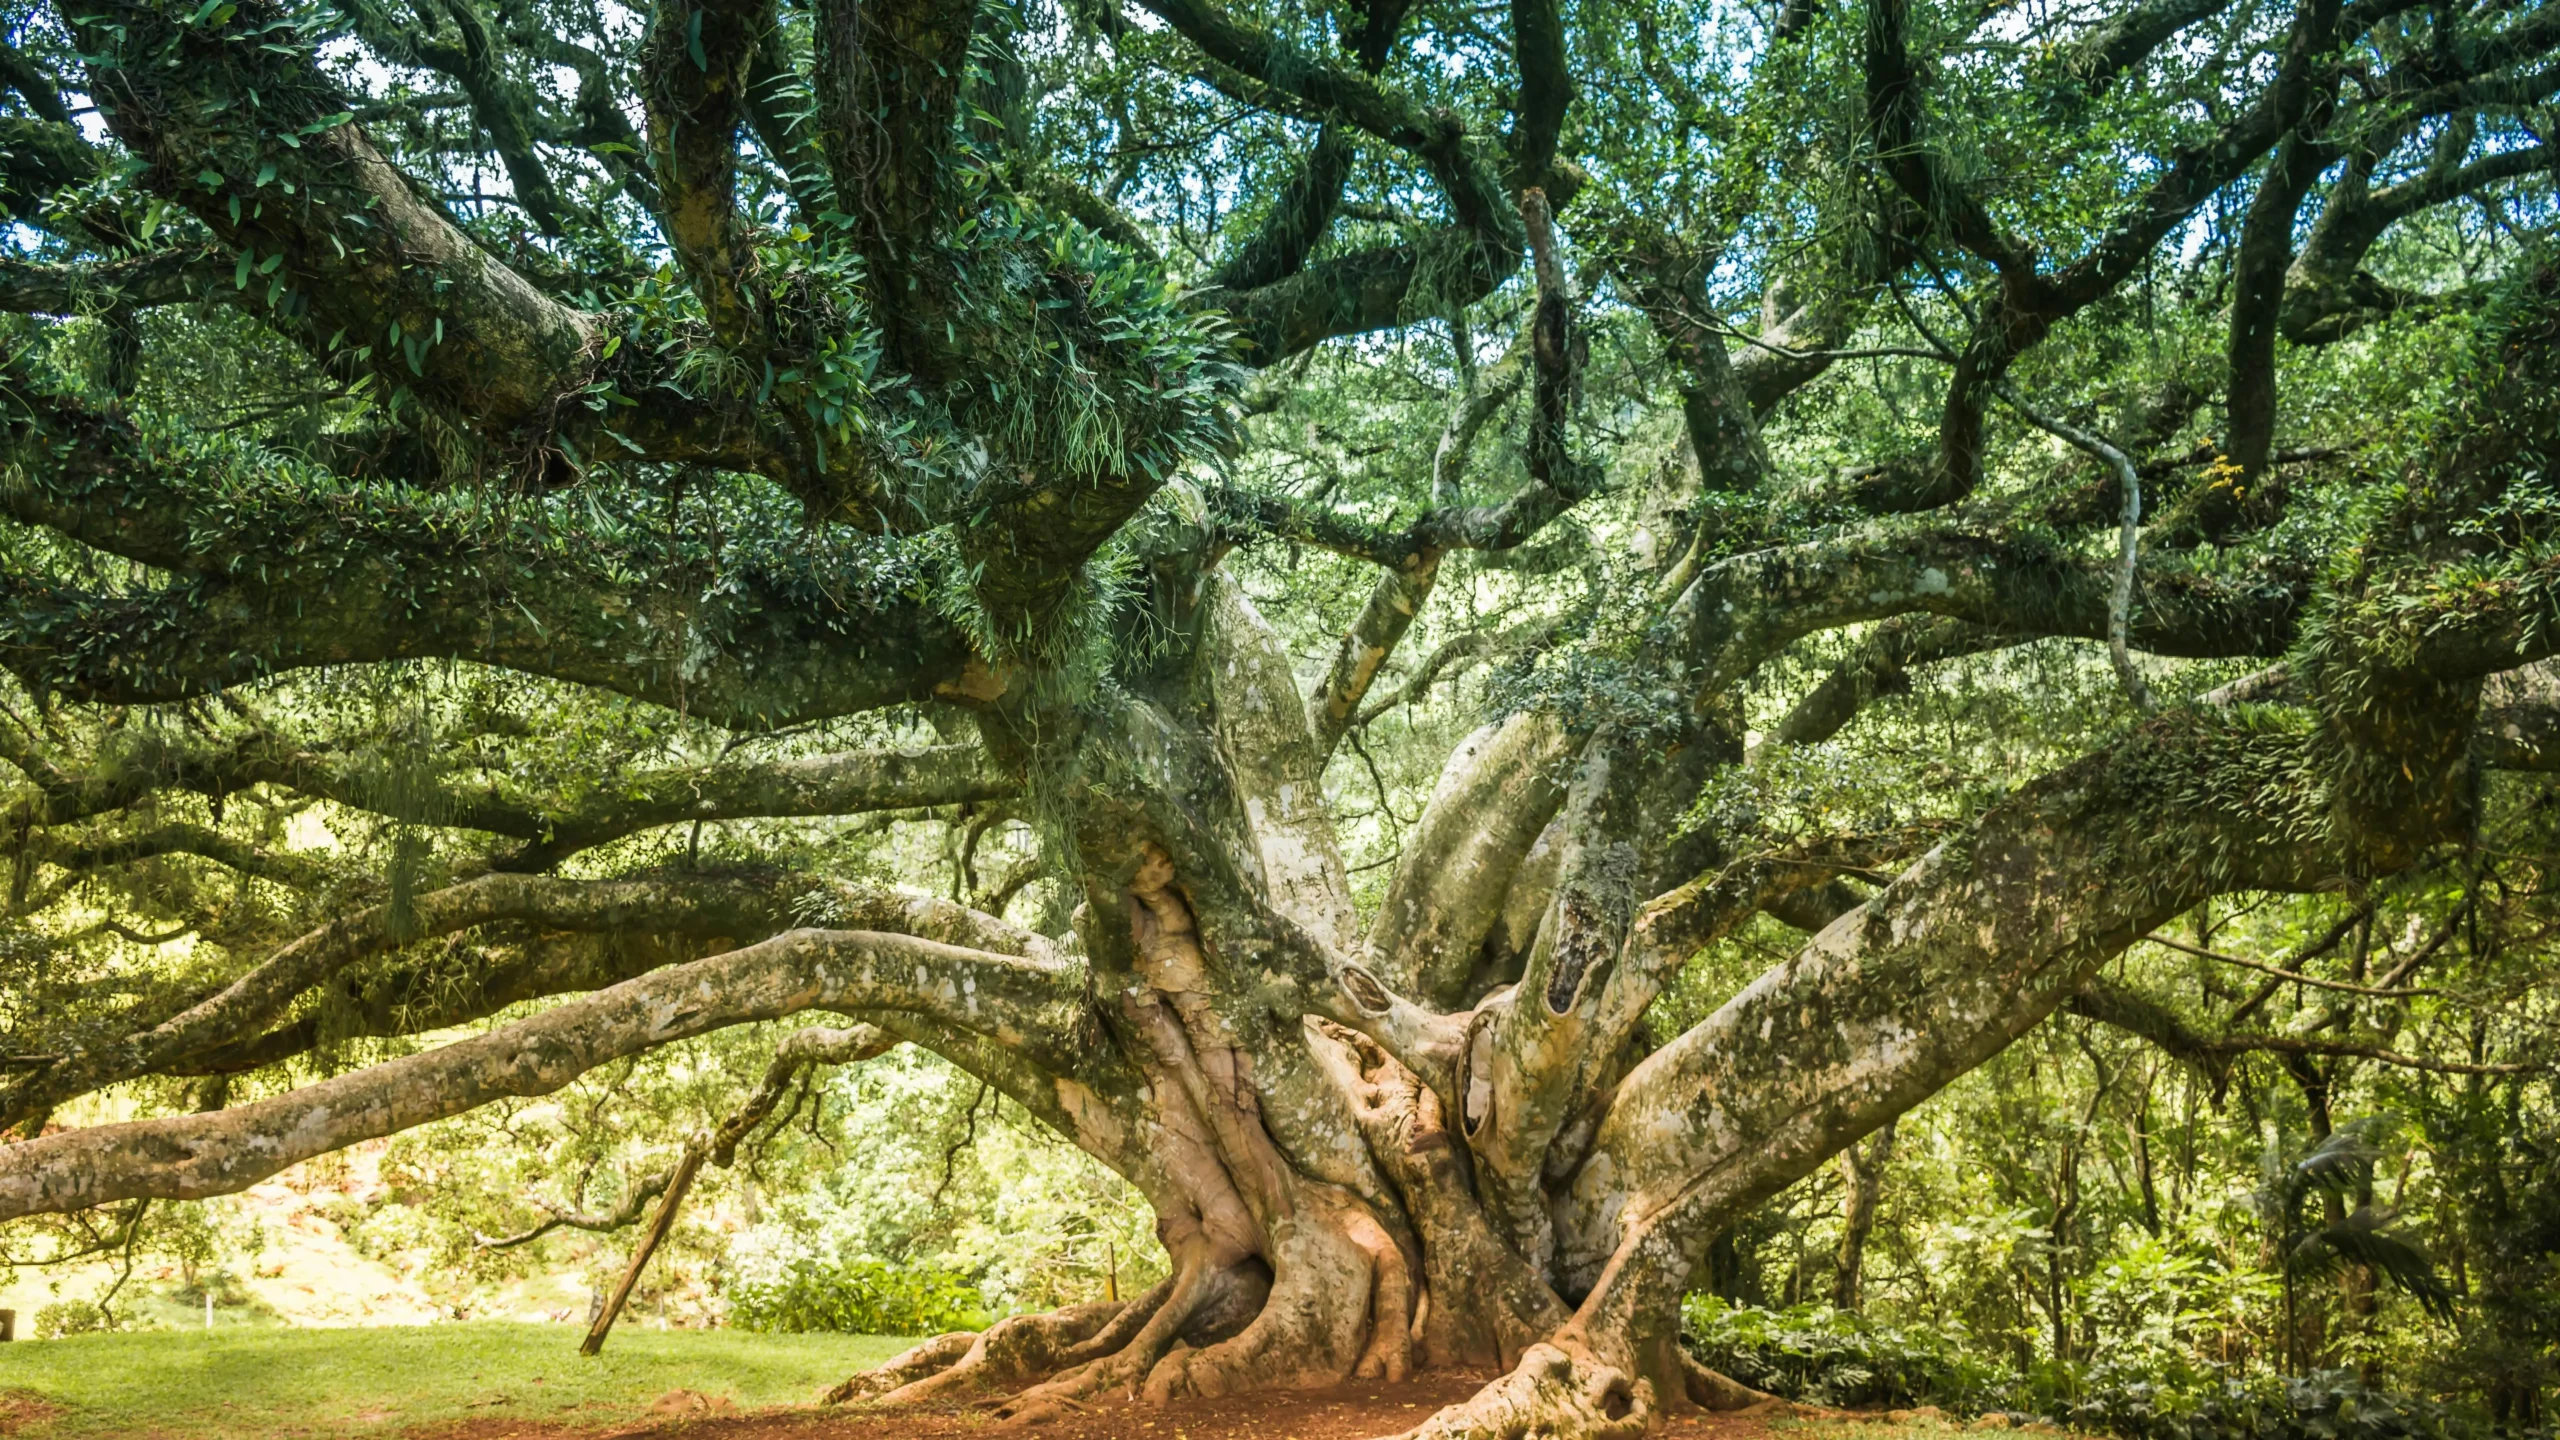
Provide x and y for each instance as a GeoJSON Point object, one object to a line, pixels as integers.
{"type": "Point", "coordinates": [1351, 1412]}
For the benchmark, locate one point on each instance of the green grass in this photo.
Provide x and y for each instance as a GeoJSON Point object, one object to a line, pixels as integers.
{"type": "Point", "coordinates": [180, 1385]}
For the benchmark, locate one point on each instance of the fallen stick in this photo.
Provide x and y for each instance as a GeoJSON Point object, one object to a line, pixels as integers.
{"type": "Point", "coordinates": [657, 1231]}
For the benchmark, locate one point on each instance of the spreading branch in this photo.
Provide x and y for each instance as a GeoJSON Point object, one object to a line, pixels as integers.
{"type": "Point", "coordinates": [223, 1152]}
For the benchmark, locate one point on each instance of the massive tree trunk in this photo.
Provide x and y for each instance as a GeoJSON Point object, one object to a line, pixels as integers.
{"type": "Point", "coordinates": [1318, 1143]}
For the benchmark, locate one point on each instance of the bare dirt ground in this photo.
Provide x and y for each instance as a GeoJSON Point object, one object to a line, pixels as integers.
{"type": "Point", "coordinates": [1354, 1412]}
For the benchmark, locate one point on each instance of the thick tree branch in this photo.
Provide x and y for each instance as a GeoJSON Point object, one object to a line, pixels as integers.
{"type": "Point", "coordinates": [1878, 666]}
{"type": "Point", "coordinates": [1895, 102]}
{"type": "Point", "coordinates": [1540, 50]}
{"type": "Point", "coordinates": [2258, 275]}
{"type": "Point", "coordinates": [166, 277]}
{"type": "Point", "coordinates": [888, 78]}
{"type": "Point", "coordinates": [470, 57]}
{"type": "Point", "coordinates": [1495, 796]}
{"type": "Point", "coordinates": [1666, 277]}
{"type": "Point", "coordinates": [841, 783]}
{"type": "Point", "coordinates": [1970, 947]}
{"type": "Point", "coordinates": [2131, 36]}
{"type": "Point", "coordinates": [354, 240]}
{"type": "Point", "coordinates": [1328, 88]}
{"type": "Point", "coordinates": [848, 783]}
{"type": "Point", "coordinates": [699, 906]}
{"type": "Point", "coordinates": [2328, 295]}
{"type": "Point", "coordinates": [1741, 612]}
{"type": "Point", "coordinates": [37, 87]}
{"type": "Point", "coordinates": [2028, 304]}
{"type": "Point", "coordinates": [223, 1152]}
{"type": "Point", "coordinates": [320, 574]}
{"type": "Point", "coordinates": [85, 856]}
{"type": "Point", "coordinates": [257, 999]}
{"type": "Point", "coordinates": [1367, 289]}
{"type": "Point", "coordinates": [1297, 220]}
{"type": "Point", "coordinates": [696, 71]}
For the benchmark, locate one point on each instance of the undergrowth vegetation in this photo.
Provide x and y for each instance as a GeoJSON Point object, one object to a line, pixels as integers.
{"type": "Point", "coordinates": [1828, 1357]}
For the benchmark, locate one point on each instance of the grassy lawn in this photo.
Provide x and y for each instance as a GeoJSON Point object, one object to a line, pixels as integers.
{"type": "Point", "coordinates": [179, 1385]}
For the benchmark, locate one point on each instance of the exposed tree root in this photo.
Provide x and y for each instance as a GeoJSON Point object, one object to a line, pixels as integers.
{"type": "Point", "coordinates": [1124, 1326]}
{"type": "Point", "coordinates": [1714, 1390]}
{"type": "Point", "coordinates": [966, 1366]}
{"type": "Point", "coordinates": [931, 1357]}
{"type": "Point", "coordinates": [1557, 1390]}
{"type": "Point", "coordinates": [1286, 1282]}
{"type": "Point", "coordinates": [1192, 1289]}
{"type": "Point", "coordinates": [1340, 1308]}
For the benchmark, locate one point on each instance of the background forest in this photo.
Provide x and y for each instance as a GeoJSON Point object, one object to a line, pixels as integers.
{"type": "Point", "coordinates": [2292, 1162]}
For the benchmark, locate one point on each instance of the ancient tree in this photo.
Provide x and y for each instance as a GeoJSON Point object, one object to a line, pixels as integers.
{"type": "Point", "coordinates": [777, 366]}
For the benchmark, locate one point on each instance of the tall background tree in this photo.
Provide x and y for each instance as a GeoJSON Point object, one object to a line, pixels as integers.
{"type": "Point", "coordinates": [520, 437]}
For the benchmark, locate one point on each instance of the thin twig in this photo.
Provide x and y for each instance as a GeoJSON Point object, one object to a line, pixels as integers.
{"type": "Point", "coordinates": [969, 1137]}
{"type": "Point", "coordinates": [2296, 977]}
{"type": "Point", "coordinates": [2302, 1045]}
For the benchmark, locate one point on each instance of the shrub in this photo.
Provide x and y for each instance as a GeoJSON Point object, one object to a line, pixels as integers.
{"type": "Point", "coordinates": [2335, 1405]}
{"type": "Point", "coordinates": [2207, 1403]}
{"type": "Point", "coordinates": [859, 1297]}
{"type": "Point", "coordinates": [69, 1317]}
{"type": "Point", "coordinates": [1825, 1356]}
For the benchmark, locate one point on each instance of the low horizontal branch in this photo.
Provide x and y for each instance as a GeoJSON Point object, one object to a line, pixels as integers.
{"type": "Point", "coordinates": [708, 907]}
{"type": "Point", "coordinates": [225, 1151]}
